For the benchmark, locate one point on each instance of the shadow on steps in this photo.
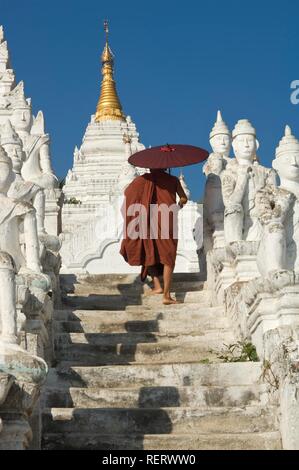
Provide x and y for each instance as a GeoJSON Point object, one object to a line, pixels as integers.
{"type": "Point", "coordinates": [111, 428]}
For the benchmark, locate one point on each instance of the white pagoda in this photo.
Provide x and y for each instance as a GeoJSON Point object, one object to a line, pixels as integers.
{"type": "Point", "coordinates": [91, 217]}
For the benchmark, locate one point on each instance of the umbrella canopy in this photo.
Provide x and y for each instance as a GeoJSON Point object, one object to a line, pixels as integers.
{"type": "Point", "coordinates": [168, 156]}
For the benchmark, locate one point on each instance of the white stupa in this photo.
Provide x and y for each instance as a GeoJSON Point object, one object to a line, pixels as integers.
{"type": "Point", "coordinates": [91, 217]}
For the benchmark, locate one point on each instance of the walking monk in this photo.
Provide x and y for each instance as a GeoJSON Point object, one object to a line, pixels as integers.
{"type": "Point", "coordinates": [150, 233]}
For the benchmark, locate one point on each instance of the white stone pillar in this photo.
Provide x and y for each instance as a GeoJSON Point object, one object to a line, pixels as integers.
{"type": "Point", "coordinates": [52, 212]}
{"type": "Point", "coordinates": [8, 312]}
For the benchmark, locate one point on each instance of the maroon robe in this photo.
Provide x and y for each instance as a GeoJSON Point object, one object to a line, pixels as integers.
{"type": "Point", "coordinates": [157, 187]}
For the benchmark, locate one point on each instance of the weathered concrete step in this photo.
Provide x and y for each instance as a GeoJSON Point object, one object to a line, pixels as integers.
{"type": "Point", "coordinates": [70, 282]}
{"type": "Point", "coordinates": [91, 301]}
{"type": "Point", "coordinates": [119, 279]}
{"type": "Point", "coordinates": [154, 302]}
{"type": "Point", "coordinates": [198, 297]}
{"type": "Point", "coordinates": [16, 433]}
{"type": "Point", "coordinates": [176, 311]}
{"type": "Point", "coordinates": [183, 313]}
{"type": "Point", "coordinates": [121, 291]}
{"type": "Point", "coordinates": [256, 441]}
{"type": "Point", "coordinates": [208, 340]}
{"type": "Point", "coordinates": [159, 421]}
{"type": "Point", "coordinates": [89, 315]}
{"type": "Point", "coordinates": [154, 397]}
{"type": "Point", "coordinates": [156, 375]}
{"type": "Point", "coordinates": [178, 277]}
{"type": "Point", "coordinates": [134, 289]}
{"type": "Point", "coordinates": [194, 441]}
{"type": "Point", "coordinates": [170, 351]}
{"type": "Point", "coordinates": [191, 327]}
{"type": "Point", "coordinates": [181, 286]}
{"type": "Point", "coordinates": [98, 302]}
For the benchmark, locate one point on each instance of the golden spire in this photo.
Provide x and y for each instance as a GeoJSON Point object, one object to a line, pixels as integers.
{"type": "Point", "coordinates": [109, 106]}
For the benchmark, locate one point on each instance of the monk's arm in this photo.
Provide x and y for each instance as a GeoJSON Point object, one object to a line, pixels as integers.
{"type": "Point", "coordinates": [182, 195]}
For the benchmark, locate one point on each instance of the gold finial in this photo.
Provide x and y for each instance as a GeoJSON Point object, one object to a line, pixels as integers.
{"type": "Point", "coordinates": [106, 29]}
{"type": "Point", "coordinates": [109, 106]}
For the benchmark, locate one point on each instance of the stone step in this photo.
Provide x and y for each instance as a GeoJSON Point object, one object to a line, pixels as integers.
{"type": "Point", "coordinates": [212, 315]}
{"type": "Point", "coordinates": [97, 302]}
{"type": "Point", "coordinates": [93, 301]}
{"type": "Point", "coordinates": [180, 286]}
{"type": "Point", "coordinates": [170, 351]}
{"type": "Point", "coordinates": [70, 281]}
{"type": "Point", "coordinates": [119, 279]}
{"type": "Point", "coordinates": [159, 420]}
{"type": "Point", "coordinates": [102, 290]}
{"type": "Point", "coordinates": [186, 297]}
{"type": "Point", "coordinates": [190, 300]}
{"type": "Point", "coordinates": [16, 433]}
{"type": "Point", "coordinates": [156, 375]}
{"type": "Point", "coordinates": [191, 441]}
{"type": "Point", "coordinates": [179, 311]}
{"type": "Point", "coordinates": [192, 327]}
{"type": "Point", "coordinates": [188, 277]}
{"type": "Point", "coordinates": [155, 397]}
{"type": "Point", "coordinates": [140, 289]}
{"type": "Point", "coordinates": [208, 340]}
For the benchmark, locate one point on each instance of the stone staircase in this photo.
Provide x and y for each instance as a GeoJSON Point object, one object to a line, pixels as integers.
{"type": "Point", "coordinates": [134, 374]}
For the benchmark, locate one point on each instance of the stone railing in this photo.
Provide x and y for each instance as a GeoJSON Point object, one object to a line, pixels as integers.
{"type": "Point", "coordinates": [251, 245]}
{"type": "Point", "coordinates": [29, 260]}
{"type": "Point", "coordinates": [266, 311]}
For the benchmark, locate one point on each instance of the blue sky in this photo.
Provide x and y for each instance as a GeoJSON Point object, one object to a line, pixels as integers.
{"type": "Point", "coordinates": [177, 62]}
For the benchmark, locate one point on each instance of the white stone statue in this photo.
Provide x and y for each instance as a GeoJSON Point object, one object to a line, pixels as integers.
{"type": "Point", "coordinates": [17, 225]}
{"type": "Point", "coordinates": [37, 167]}
{"type": "Point", "coordinates": [21, 189]}
{"type": "Point", "coordinates": [279, 211]}
{"type": "Point", "coordinates": [220, 141]}
{"type": "Point", "coordinates": [184, 185]}
{"type": "Point", "coordinates": [12, 214]}
{"type": "Point", "coordinates": [241, 179]}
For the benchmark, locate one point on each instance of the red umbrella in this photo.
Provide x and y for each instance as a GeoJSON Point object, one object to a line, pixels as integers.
{"type": "Point", "coordinates": [168, 156]}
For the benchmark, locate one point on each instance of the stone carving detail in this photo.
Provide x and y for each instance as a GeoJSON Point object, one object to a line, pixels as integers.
{"type": "Point", "coordinates": [279, 211]}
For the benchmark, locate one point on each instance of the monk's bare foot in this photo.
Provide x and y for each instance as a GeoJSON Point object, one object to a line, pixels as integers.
{"type": "Point", "coordinates": [170, 301]}
{"type": "Point", "coordinates": [154, 291]}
